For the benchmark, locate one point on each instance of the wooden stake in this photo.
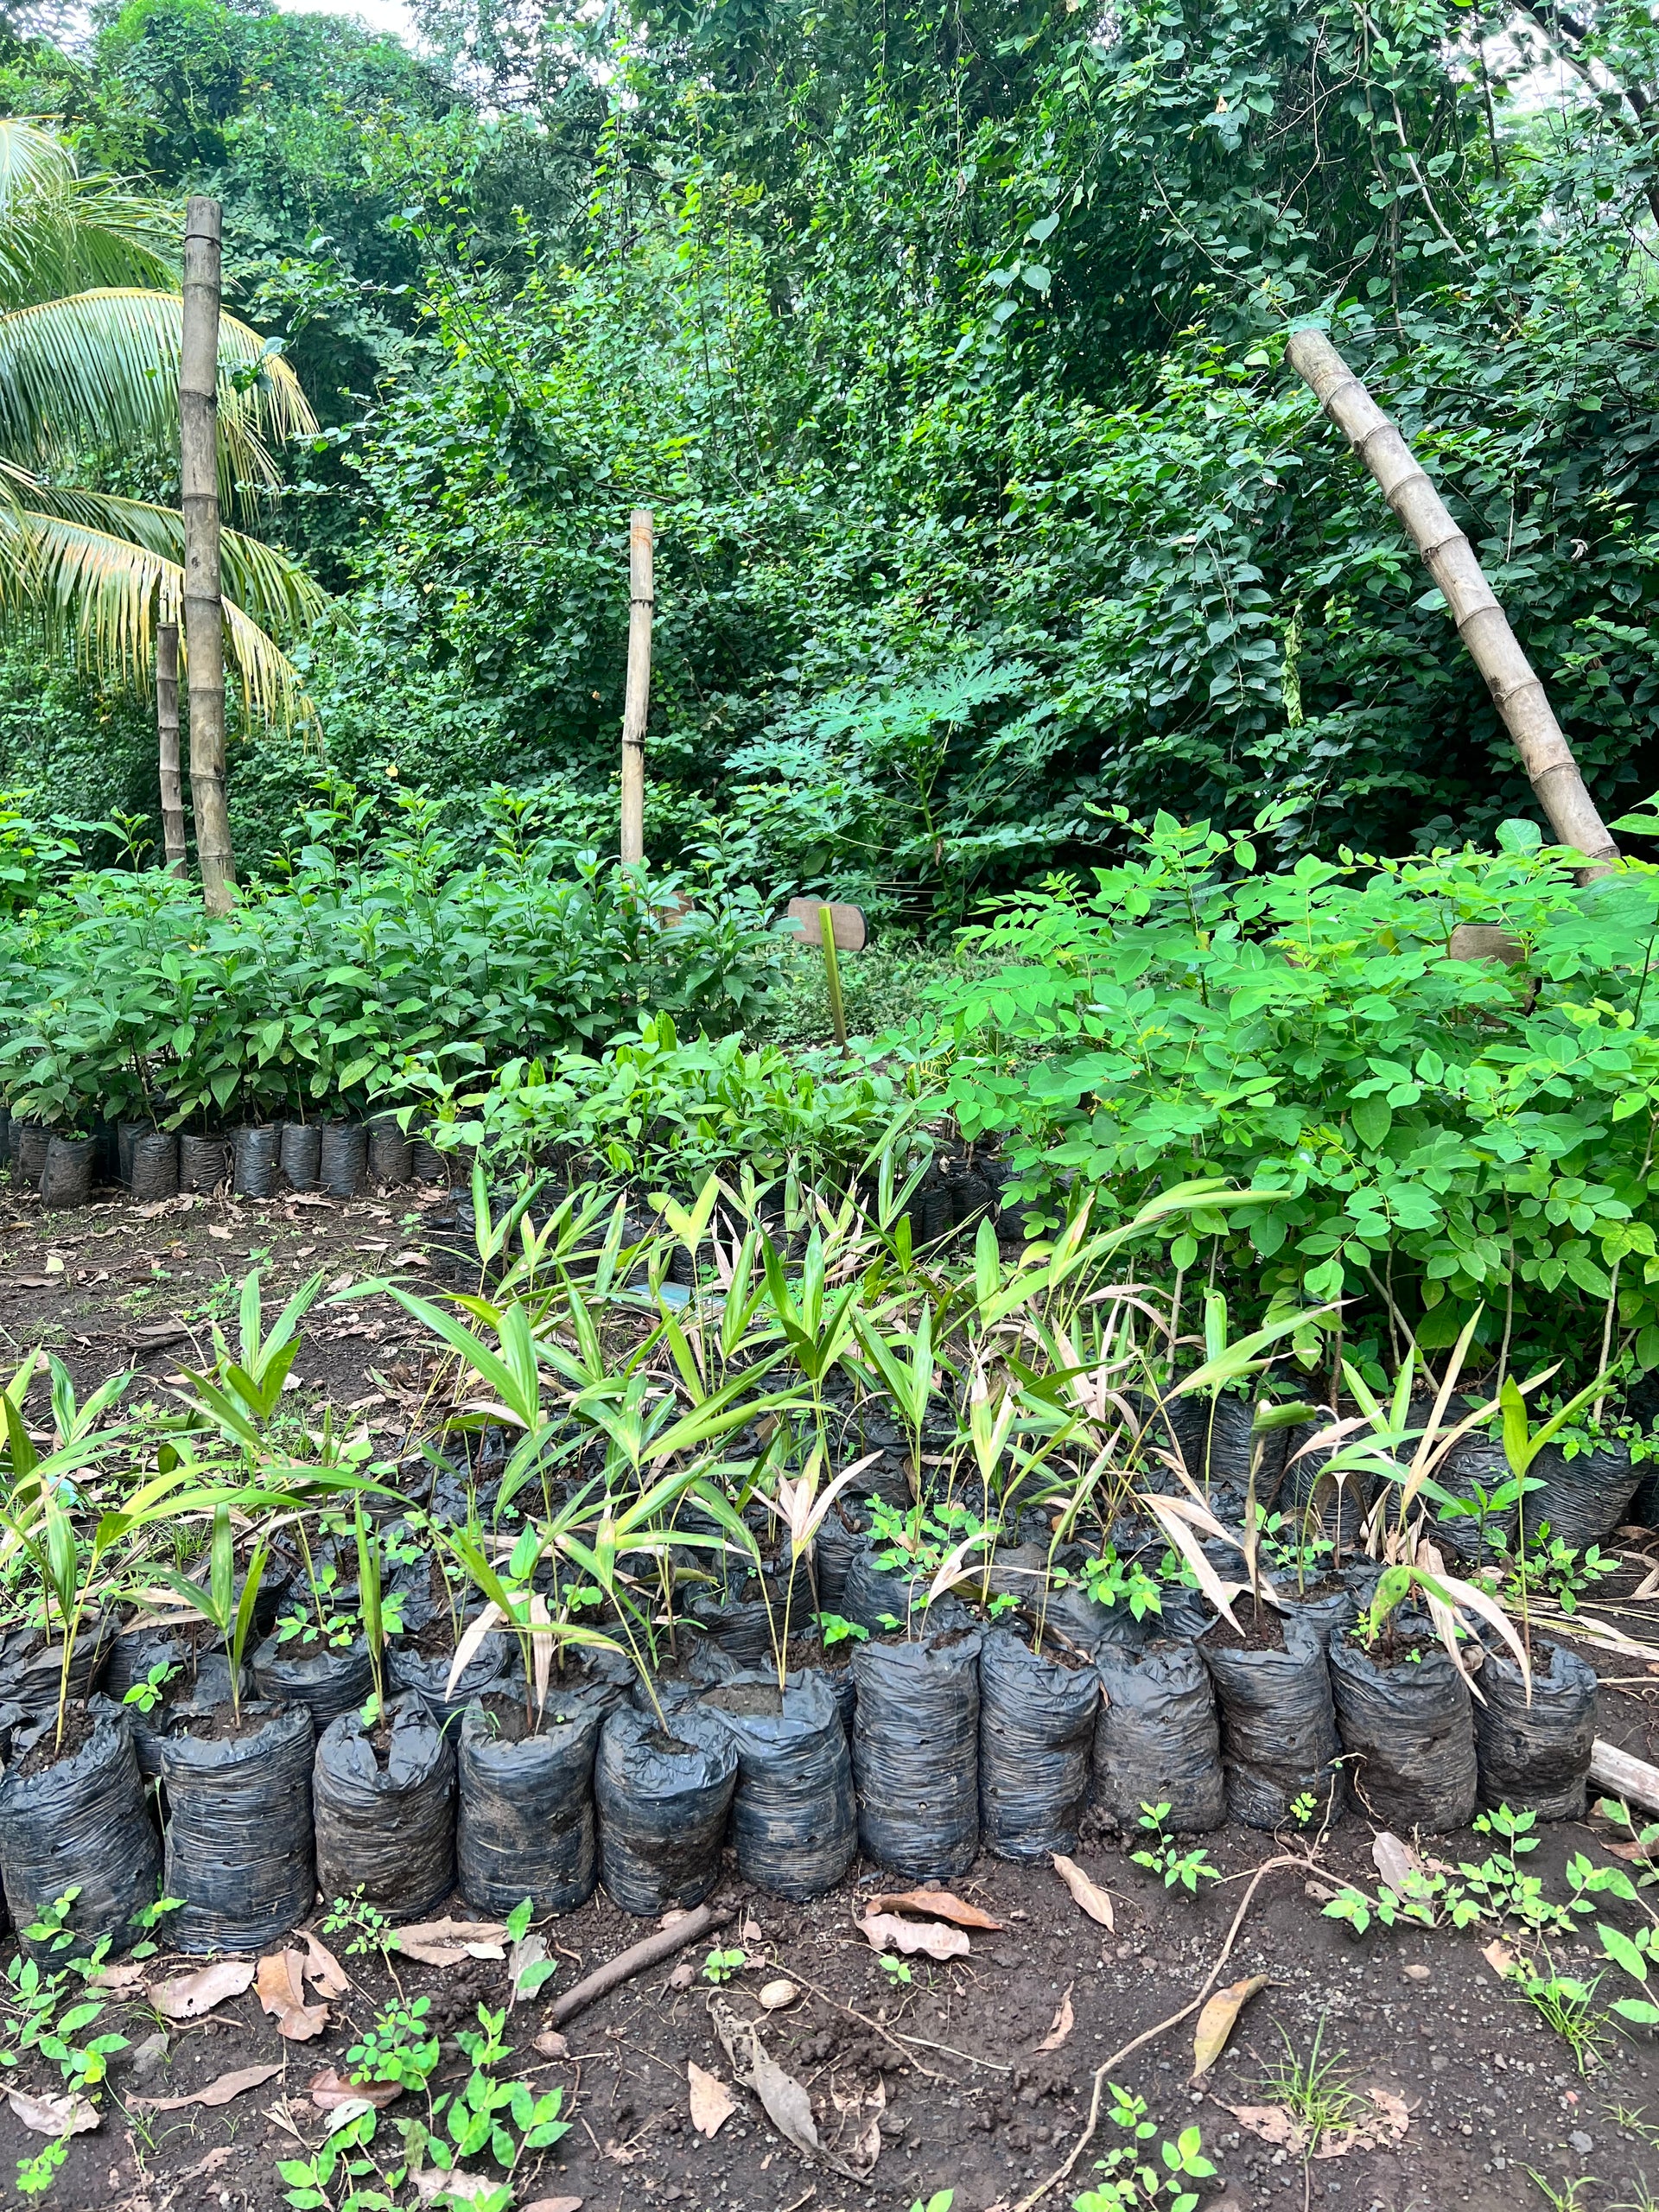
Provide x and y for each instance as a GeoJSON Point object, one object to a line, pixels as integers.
{"type": "Point", "coordinates": [637, 704]}
{"type": "Point", "coordinates": [204, 615]}
{"type": "Point", "coordinates": [1518, 693]}
{"type": "Point", "coordinates": [832, 974]}
{"type": "Point", "coordinates": [167, 740]}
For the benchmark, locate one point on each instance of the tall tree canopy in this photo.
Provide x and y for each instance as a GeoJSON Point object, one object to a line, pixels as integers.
{"type": "Point", "coordinates": [947, 344]}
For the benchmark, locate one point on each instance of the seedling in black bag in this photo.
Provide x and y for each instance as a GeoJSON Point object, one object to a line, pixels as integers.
{"type": "Point", "coordinates": [146, 1694]}
{"type": "Point", "coordinates": [219, 1603]}
{"type": "Point", "coordinates": [1163, 1856]}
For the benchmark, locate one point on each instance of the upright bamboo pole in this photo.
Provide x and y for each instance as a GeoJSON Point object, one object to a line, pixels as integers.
{"type": "Point", "coordinates": [204, 616]}
{"type": "Point", "coordinates": [1517, 692]}
{"type": "Point", "coordinates": [167, 740]}
{"type": "Point", "coordinates": [637, 704]}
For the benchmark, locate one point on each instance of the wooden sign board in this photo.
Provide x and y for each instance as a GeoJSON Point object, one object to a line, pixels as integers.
{"type": "Point", "coordinates": [847, 922]}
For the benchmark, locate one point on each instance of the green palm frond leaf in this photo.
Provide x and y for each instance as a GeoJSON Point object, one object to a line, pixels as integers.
{"type": "Point", "coordinates": [268, 585]}
{"type": "Point", "coordinates": [60, 232]}
{"type": "Point", "coordinates": [107, 593]}
{"type": "Point", "coordinates": [102, 368]}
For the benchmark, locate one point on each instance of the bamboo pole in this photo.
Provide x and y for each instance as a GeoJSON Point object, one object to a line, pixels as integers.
{"type": "Point", "coordinates": [638, 702]}
{"type": "Point", "coordinates": [832, 974]}
{"type": "Point", "coordinates": [1516, 690]}
{"type": "Point", "coordinates": [204, 615]}
{"type": "Point", "coordinates": [167, 743]}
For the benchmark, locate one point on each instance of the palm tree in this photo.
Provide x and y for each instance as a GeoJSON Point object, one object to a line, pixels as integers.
{"type": "Point", "coordinates": [90, 326]}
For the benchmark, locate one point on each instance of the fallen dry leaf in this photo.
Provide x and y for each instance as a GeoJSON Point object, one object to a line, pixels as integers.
{"type": "Point", "coordinates": [1269, 2123]}
{"type": "Point", "coordinates": [786, 2103]}
{"type": "Point", "coordinates": [552, 2044]}
{"type": "Point", "coordinates": [447, 1942]}
{"type": "Point", "coordinates": [1061, 2026]}
{"type": "Point", "coordinates": [1394, 1861]}
{"type": "Point", "coordinates": [1387, 2124]}
{"type": "Point", "coordinates": [1219, 2019]}
{"type": "Point", "coordinates": [621, 2154]}
{"type": "Point", "coordinates": [555, 2204]}
{"type": "Point", "coordinates": [432, 2181]}
{"type": "Point", "coordinates": [216, 2093]}
{"type": "Point", "coordinates": [712, 2103]}
{"type": "Point", "coordinates": [53, 2115]}
{"type": "Point", "coordinates": [188, 1996]}
{"type": "Point", "coordinates": [937, 1904]}
{"type": "Point", "coordinates": [1499, 1957]}
{"type": "Point", "coordinates": [129, 1975]}
{"type": "Point", "coordinates": [282, 1992]}
{"type": "Point", "coordinates": [322, 1970]}
{"type": "Point", "coordinates": [328, 2092]}
{"type": "Point", "coordinates": [932, 1937]}
{"type": "Point", "coordinates": [1089, 1895]}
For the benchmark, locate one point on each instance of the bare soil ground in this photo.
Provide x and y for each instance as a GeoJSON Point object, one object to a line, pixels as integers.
{"type": "Point", "coordinates": [951, 2065]}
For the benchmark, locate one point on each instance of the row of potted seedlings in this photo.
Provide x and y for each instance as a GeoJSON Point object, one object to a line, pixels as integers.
{"type": "Point", "coordinates": [359, 1716]}
{"type": "Point", "coordinates": [340, 1158]}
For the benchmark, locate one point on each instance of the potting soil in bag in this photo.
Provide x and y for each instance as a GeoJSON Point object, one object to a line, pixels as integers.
{"type": "Point", "coordinates": [794, 1820]}
{"type": "Point", "coordinates": [383, 1804]}
{"type": "Point", "coordinates": [77, 1818]}
{"type": "Point", "coordinates": [238, 1830]}
{"type": "Point", "coordinates": [419, 1660]}
{"type": "Point", "coordinates": [526, 1820]}
{"type": "Point", "coordinates": [662, 1803]}
{"type": "Point", "coordinates": [916, 1752]}
{"type": "Point", "coordinates": [1157, 1740]}
{"type": "Point", "coordinates": [1537, 1758]}
{"type": "Point", "coordinates": [300, 1155]}
{"type": "Point", "coordinates": [1584, 1498]}
{"type": "Point", "coordinates": [1408, 1733]}
{"type": "Point", "coordinates": [155, 1167]}
{"type": "Point", "coordinates": [67, 1179]}
{"type": "Point", "coordinates": [195, 1690]}
{"type": "Point", "coordinates": [1325, 1608]}
{"type": "Point", "coordinates": [1036, 1738]}
{"type": "Point", "coordinates": [1278, 1724]}
{"type": "Point", "coordinates": [328, 1680]}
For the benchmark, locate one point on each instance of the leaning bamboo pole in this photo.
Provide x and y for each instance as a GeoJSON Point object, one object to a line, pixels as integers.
{"type": "Point", "coordinates": [1516, 690]}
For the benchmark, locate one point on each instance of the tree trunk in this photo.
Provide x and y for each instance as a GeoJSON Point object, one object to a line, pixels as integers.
{"type": "Point", "coordinates": [638, 702]}
{"type": "Point", "coordinates": [1516, 691]}
{"type": "Point", "coordinates": [167, 736]}
{"type": "Point", "coordinates": [204, 616]}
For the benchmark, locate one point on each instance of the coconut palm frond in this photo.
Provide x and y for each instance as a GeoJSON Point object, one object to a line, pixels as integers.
{"type": "Point", "coordinates": [108, 593]}
{"type": "Point", "coordinates": [102, 368]}
{"type": "Point", "coordinates": [60, 232]}
{"type": "Point", "coordinates": [268, 585]}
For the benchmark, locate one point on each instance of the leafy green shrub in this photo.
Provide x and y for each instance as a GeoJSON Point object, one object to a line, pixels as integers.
{"type": "Point", "coordinates": [1436, 1133]}
{"type": "Point", "coordinates": [651, 1104]}
{"type": "Point", "coordinates": [117, 995]}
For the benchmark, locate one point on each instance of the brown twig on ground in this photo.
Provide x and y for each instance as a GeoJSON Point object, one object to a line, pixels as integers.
{"type": "Point", "coordinates": [638, 1958]}
{"type": "Point", "coordinates": [1150, 2035]}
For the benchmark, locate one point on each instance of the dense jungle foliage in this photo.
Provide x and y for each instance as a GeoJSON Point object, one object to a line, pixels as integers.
{"type": "Point", "coordinates": [946, 346]}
